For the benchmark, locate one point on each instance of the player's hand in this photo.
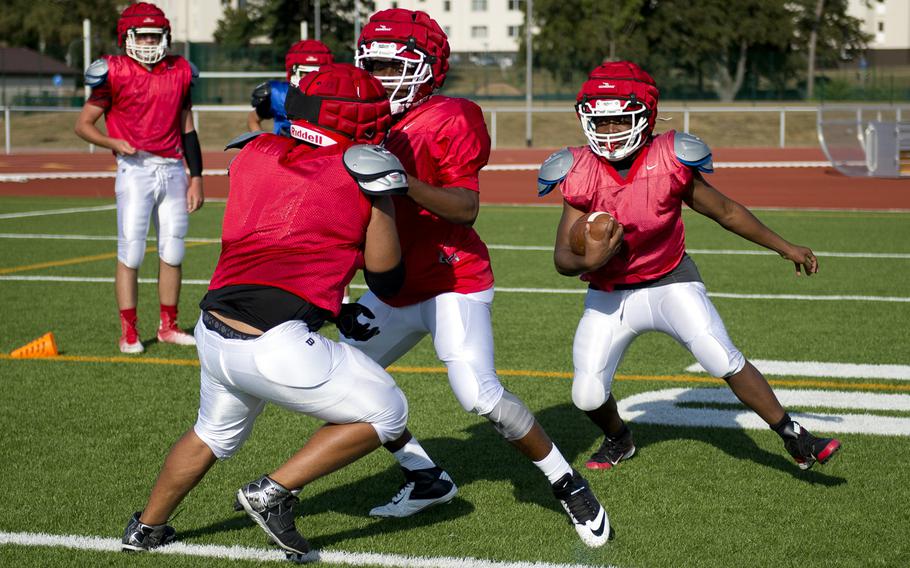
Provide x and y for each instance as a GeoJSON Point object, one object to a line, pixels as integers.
{"type": "Point", "coordinates": [348, 325]}
{"type": "Point", "coordinates": [122, 147]}
{"type": "Point", "coordinates": [803, 258]}
{"type": "Point", "coordinates": [194, 195]}
{"type": "Point", "coordinates": [599, 252]}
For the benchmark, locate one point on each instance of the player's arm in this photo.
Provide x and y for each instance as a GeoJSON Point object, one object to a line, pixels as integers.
{"type": "Point", "coordinates": [597, 252]}
{"type": "Point", "coordinates": [705, 199]}
{"type": "Point", "coordinates": [192, 151]}
{"type": "Point", "coordinates": [454, 204]}
{"type": "Point", "coordinates": [261, 101]}
{"type": "Point", "coordinates": [96, 78]}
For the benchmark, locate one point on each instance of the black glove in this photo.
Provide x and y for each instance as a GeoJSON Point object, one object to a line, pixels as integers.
{"type": "Point", "coordinates": [351, 328]}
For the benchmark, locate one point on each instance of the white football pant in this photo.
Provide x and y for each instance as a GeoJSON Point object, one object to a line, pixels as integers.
{"type": "Point", "coordinates": [611, 321]}
{"type": "Point", "coordinates": [293, 367]}
{"type": "Point", "coordinates": [462, 331]}
{"type": "Point", "coordinates": [150, 187]}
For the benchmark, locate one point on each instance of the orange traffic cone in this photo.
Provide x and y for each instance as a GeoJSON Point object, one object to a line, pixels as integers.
{"type": "Point", "coordinates": [44, 346]}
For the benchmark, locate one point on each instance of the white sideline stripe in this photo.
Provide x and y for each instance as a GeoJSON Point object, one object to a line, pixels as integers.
{"type": "Point", "coordinates": [271, 555]}
{"type": "Point", "coordinates": [579, 291]}
{"type": "Point", "coordinates": [23, 177]}
{"type": "Point", "coordinates": [733, 252]}
{"type": "Point", "coordinates": [823, 369]}
{"type": "Point", "coordinates": [56, 211]}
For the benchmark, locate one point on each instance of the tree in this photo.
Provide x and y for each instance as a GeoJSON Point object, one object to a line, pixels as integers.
{"type": "Point", "coordinates": [53, 26]}
{"type": "Point", "coordinates": [578, 35]}
{"type": "Point", "coordinates": [237, 27]}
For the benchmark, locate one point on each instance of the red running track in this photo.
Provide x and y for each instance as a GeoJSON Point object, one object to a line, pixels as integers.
{"type": "Point", "coordinates": [755, 187]}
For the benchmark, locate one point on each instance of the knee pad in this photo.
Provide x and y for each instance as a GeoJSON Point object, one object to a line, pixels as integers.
{"type": "Point", "coordinates": [171, 249]}
{"type": "Point", "coordinates": [390, 424]}
{"type": "Point", "coordinates": [511, 417]}
{"type": "Point", "coordinates": [718, 360]}
{"type": "Point", "coordinates": [130, 252]}
{"type": "Point", "coordinates": [590, 391]}
{"type": "Point", "coordinates": [223, 444]}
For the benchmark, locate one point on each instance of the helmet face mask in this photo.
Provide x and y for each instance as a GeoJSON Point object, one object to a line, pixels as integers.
{"type": "Point", "coordinates": [306, 56]}
{"type": "Point", "coordinates": [413, 71]}
{"type": "Point", "coordinates": [298, 72]}
{"type": "Point", "coordinates": [143, 52]}
{"type": "Point", "coordinates": [619, 143]}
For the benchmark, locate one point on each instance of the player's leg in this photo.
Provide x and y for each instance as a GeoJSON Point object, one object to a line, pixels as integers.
{"type": "Point", "coordinates": [462, 330]}
{"type": "Point", "coordinates": [171, 223]}
{"type": "Point", "coordinates": [601, 339]}
{"type": "Point", "coordinates": [134, 189]}
{"type": "Point", "coordinates": [425, 484]}
{"type": "Point", "coordinates": [684, 311]}
{"type": "Point", "coordinates": [225, 420]}
{"type": "Point", "coordinates": [307, 373]}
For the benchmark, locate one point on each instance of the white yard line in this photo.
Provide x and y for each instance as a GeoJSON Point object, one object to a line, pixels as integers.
{"type": "Point", "coordinates": [824, 369]}
{"type": "Point", "coordinates": [22, 214]}
{"type": "Point", "coordinates": [578, 291]}
{"type": "Point", "coordinates": [730, 252]}
{"type": "Point", "coordinates": [271, 555]}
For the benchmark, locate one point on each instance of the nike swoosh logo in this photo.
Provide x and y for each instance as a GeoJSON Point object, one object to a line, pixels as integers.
{"type": "Point", "coordinates": [650, 167]}
{"type": "Point", "coordinates": [598, 532]}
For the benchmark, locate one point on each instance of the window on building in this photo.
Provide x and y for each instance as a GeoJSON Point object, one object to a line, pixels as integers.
{"type": "Point", "coordinates": [515, 5]}
{"type": "Point", "coordinates": [478, 32]}
{"type": "Point", "coordinates": [514, 31]}
{"type": "Point", "coordinates": [881, 26]}
{"type": "Point", "coordinates": [447, 6]}
{"type": "Point", "coordinates": [479, 5]}
{"type": "Point", "coordinates": [394, 4]}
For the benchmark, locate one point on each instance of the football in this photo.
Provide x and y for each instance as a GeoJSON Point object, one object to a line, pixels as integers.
{"type": "Point", "coordinates": [600, 222]}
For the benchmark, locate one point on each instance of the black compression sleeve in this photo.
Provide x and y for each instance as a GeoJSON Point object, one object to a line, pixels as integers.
{"type": "Point", "coordinates": [385, 284]}
{"type": "Point", "coordinates": [192, 152]}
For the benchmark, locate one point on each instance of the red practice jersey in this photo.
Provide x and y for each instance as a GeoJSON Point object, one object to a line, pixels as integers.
{"type": "Point", "coordinates": [295, 220]}
{"type": "Point", "coordinates": [145, 107]}
{"type": "Point", "coordinates": [442, 142]}
{"type": "Point", "coordinates": [648, 203]}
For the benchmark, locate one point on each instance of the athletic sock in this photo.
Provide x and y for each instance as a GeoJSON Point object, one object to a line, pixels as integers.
{"type": "Point", "coordinates": [554, 466]}
{"type": "Point", "coordinates": [412, 456]}
{"type": "Point", "coordinates": [168, 315]}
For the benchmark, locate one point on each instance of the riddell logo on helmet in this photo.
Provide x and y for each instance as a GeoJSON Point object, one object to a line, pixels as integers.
{"type": "Point", "coordinates": [311, 136]}
{"type": "Point", "coordinates": [310, 58]}
{"type": "Point", "coordinates": [606, 85]}
{"type": "Point", "coordinates": [383, 28]}
{"type": "Point", "coordinates": [148, 20]}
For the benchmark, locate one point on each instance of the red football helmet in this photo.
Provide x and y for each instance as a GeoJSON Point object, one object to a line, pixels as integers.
{"type": "Point", "coordinates": [338, 102]}
{"type": "Point", "coordinates": [621, 90]}
{"type": "Point", "coordinates": [413, 39]}
{"type": "Point", "coordinates": [306, 56]}
{"type": "Point", "coordinates": [143, 18]}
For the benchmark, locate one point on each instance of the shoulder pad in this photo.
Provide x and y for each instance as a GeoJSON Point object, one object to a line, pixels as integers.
{"type": "Point", "coordinates": [693, 152]}
{"type": "Point", "coordinates": [262, 92]}
{"type": "Point", "coordinates": [194, 72]}
{"type": "Point", "coordinates": [96, 74]}
{"type": "Point", "coordinates": [553, 170]}
{"type": "Point", "coordinates": [242, 140]}
{"type": "Point", "coordinates": [377, 171]}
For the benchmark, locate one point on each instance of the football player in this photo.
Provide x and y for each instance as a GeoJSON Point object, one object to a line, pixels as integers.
{"type": "Point", "coordinates": [145, 99]}
{"type": "Point", "coordinates": [303, 213]}
{"type": "Point", "coordinates": [448, 289]}
{"type": "Point", "coordinates": [639, 276]}
{"type": "Point", "coordinates": [268, 97]}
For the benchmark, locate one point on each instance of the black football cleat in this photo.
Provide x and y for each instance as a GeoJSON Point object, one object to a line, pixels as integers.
{"type": "Point", "coordinates": [271, 506]}
{"type": "Point", "coordinates": [590, 519]}
{"type": "Point", "coordinates": [612, 451]}
{"type": "Point", "coordinates": [805, 448]}
{"type": "Point", "coordinates": [139, 536]}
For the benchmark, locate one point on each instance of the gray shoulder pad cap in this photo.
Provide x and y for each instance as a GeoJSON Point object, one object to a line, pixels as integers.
{"type": "Point", "coordinates": [194, 72]}
{"type": "Point", "coordinates": [693, 152]}
{"type": "Point", "coordinates": [242, 140]}
{"type": "Point", "coordinates": [377, 171]}
{"type": "Point", "coordinates": [553, 170]}
{"type": "Point", "coordinates": [96, 74]}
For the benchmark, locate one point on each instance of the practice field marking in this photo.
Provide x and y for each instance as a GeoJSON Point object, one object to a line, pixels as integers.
{"type": "Point", "coordinates": [77, 260]}
{"type": "Point", "coordinates": [730, 252]}
{"type": "Point", "coordinates": [576, 291]}
{"type": "Point", "coordinates": [665, 407]}
{"type": "Point", "coordinates": [100, 544]}
{"type": "Point", "coordinates": [142, 360]}
{"type": "Point", "coordinates": [823, 369]}
{"type": "Point", "coordinates": [22, 214]}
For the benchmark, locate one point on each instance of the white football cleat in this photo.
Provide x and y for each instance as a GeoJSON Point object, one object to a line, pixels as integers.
{"type": "Point", "coordinates": [590, 519]}
{"type": "Point", "coordinates": [422, 488]}
{"type": "Point", "coordinates": [134, 347]}
{"type": "Point", "coordinates": [175, 335]}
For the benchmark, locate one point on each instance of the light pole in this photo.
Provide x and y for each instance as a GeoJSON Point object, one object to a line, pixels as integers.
{"type": "Point", "coordinates": [529, 86]}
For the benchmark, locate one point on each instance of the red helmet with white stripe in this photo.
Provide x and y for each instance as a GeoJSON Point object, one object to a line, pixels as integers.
{"type": "Point", "coordinates": [414, 41]}
{"type": "Point", "coordinates": [306, 56]}
{"type": "Point", "coordinates": [623, 91]}
{"type": "Point", "coordinates": [143, 18]}
{"type": "Point", "coordinates": [337, 103]}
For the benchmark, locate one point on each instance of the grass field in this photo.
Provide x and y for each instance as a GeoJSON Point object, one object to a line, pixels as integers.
{"type": "Point", "coordinates": [84, 434]}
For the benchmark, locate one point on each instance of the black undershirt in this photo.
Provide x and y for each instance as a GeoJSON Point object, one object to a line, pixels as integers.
{"type": "Point", "coordinates": [263, 307]}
